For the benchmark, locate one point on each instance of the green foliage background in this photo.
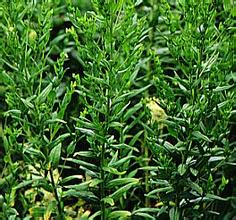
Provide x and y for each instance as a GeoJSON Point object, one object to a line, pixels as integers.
{"type": "Point", "coordinates": [117, 109]}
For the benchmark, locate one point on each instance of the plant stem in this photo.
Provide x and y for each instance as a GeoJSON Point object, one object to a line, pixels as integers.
{"type": "Point", "coordinates": [104, 146]}
{"type": "Point", "coordinates": [103, 216]}
{"type": "Point", "coordinates": [146, 154]}
{"type": "Point", "coordinates": [60, 210]}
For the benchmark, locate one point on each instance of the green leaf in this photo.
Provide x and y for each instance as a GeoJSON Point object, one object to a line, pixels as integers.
{"type": "Point", "coordinates": [154, 210]}
{"type": "Point", "coordinates": [56, 120]}
{"type": "Point", "coordinates": [121, 191]}
{"type": "Point", "coordinates": [27, 103]}
{"type": "Point", "coordinates": [138, 2]}
{"type": "Point", "coordinates": [71, 148]}
{"type": "Point", "coordinates": [221, 105]}
{"type": "Point", "coordinates": [163, 189]}
{"type": "Point", "coordinates": [95, 182]}
{"type": "Point", "coordinates": [115, 124]}
{"type": "Point", "coordinates": [168, 146]}
{"type": "Point", "coordinates": [95, 215]}
{"type": "Point", "coordinates": [222, 88]}
{"type": "Point", "coordinates": [136, 137]}
{"type": "Point", "coordinates": [121, 181]}
{"type": "Point", "coordinates": [84, 154]}
{"type": "Point", "coordinates": [199, 135]}
{"type": "Point", "coordinates": [72, 177]}
{"type": "Point", "coordinates": [24, 183]}
{"type": "Point", "coordinates": [124, 146]}
{"type": "Point", "coordinates": [108, 200]}
{"type": "Point", "coordinates": [54, 156]}
{"type": "Point", "coordinates": [113, 170]}
{"type": "Point", "coordinates": [119, 215]}
{"type": "Point", "coordinates": [44, 184]}
{"type": "Point", "coordinates": [34, 152]}
{"type": "Point", "coordinates": [12, 111]}
{"type": "Point", "coordinates": [6, 79]}
{"type": "Point", "coordinates": [145, 216]}
{"type": "Point", "coordinates": [132, 110]}
{"type": "Point", "coordinates": [224, 182]}
{"type": "Point", "coordinates": [215, 197]}
{"type": "Point", "coordinates": [131, 94]}
{"type": "Point", "coordinates": [37, 212]}
{"type": "Point", "coordinates": [86, 131]}
{"type": "Point", "coordinates": [233, 112]}
{"type": "Point", "coordinates": [118, 109]}
{"type": "Point", "coordinates": [227, 5]}
{"type": "Point", "coordinates": [59, 139]}
{"type": "Point", "coordinates": [6, 180]}
{"type": "Point", "coordinates": [216, 158]}
{"type": "Point", "coordinates": [162, 182]}
{"type": "Point", "coordinates": [85, 195]}
{"type": "Point", "coordinates": [182, 169]}
{"type": "Point", "coordinates": [82, 163]}
{"type": "Point", "coordinates": [193, 171]}
{"type": "Point", "coordinates": [84, 122]}
{"type": "Point", "coordinates": [174, 214]}
{"type": "Point", "coordinates": [43, 95]}
{"type": "Point", "coordinates": [79, 187]}
{"type": "Point", "coordinates": [121, 162]}
{"type": "Point", "coordinates": [196, 187]}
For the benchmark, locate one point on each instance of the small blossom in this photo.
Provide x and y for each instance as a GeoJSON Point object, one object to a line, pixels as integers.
{"type": "Point", "coordinates": [11, 29]}
{"type": "Point", "coordinates": [32, 36]}
{"type": "Point", "coordinates": [158, 114]}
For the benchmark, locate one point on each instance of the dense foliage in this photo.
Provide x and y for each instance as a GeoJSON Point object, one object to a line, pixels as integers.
{"type": "Point", "coordinates": [117, 109]}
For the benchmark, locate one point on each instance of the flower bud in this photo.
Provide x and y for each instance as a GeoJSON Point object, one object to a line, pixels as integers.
{"type": "Point", "coordinates": [32, 36]}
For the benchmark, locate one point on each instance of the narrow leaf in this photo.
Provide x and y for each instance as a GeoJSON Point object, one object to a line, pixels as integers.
{"type": "Point", "coordinates": [121, 181]}
{"type": "Point", "coordinates": [164, 189]}
{"type": "Point", "coordinates": [43, 95]}
{"type": "Point", "coordinates": [120, 192]}
{"type": "Point", "coordinates": [54, 156]}
{"type": "Point", "coordinates": [119, 214]}
{"type": "Point", "coordinates": [222, 88]}
{"type": "Point", "coordinates": [182, 169]}
{"type": "Point", "coordinates": [215, 197]}
{"type": "Point", "coordinates": [82, 163]}
{"type": "Point", "coordinates": [113, 171]}
{"type": "Point", "coordinates": [145, 216]}
{"type": "Point", "coordinates": [199, 135]}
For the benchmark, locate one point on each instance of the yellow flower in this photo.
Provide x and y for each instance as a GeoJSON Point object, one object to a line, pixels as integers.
{"type": "Point", "coordinates": [32, 36]}
{"type": "Point", "coordinates": [11, 29]}
{"type": "Point", "coordinates": [158, 114]}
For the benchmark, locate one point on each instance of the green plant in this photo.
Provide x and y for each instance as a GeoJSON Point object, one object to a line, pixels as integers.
{"type": "Point", "coordinates": [193, 153]}
{"type": "Point", "coordinates": [33, 122]}
{"type": "Point", "coordinates": [117, 109]}
{"type": "Point", "coordinates": [110, 47]}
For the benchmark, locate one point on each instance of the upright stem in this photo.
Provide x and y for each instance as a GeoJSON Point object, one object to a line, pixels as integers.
{"type": "Point", "coordinates": [103, 216]}
{"type": "Point", "coordinates": [60, 210]}
{"type": "Point", "coordinates": [146, 177]}
{"type": "Point", "coordinates": [104, 146]}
